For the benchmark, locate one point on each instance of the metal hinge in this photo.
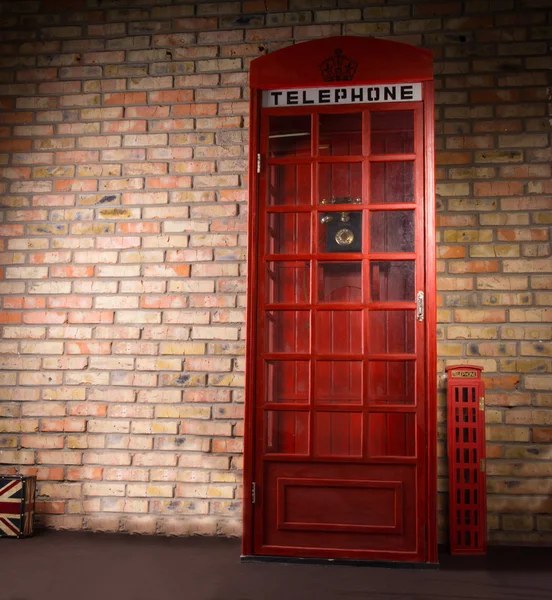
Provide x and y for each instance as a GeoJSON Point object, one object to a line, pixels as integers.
{"type": "Point", "coordinates": [482, 465]}
{"type": "Point", "coordinates": [482, 403]}
{"type": "Point", "coordinates": [420, 309]}
{"type": "Point", "coordinates": [258, 163]}
{"type": "Point", "coordinates": [253, 493]}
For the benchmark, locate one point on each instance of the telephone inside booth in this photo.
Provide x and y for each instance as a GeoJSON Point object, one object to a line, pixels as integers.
{"type": "Point", "coordinates": [343, 229]}
{"type": "Point", "coordinates": [337, 390]}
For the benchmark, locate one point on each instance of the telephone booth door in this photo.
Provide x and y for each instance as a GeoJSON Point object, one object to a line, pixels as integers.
{"type": "Point", "coordinates": [339, 409]}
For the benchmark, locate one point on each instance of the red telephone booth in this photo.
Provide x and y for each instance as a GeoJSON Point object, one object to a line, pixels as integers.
{"type": "Point", "coordinates": [340, 401]}
{"type": "Point", "coordinates": [466, 457]}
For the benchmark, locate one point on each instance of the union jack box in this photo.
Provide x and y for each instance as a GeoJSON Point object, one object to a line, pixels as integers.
{"type": "Point", "coordinates": [17, 496]}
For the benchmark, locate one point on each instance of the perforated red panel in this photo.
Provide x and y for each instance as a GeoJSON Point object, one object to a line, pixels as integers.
{"type": "Point", "coordinates": [466, 452]}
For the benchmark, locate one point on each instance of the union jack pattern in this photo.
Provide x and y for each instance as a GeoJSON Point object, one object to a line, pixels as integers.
{"type": "Point", "coordinates": [16, 506]}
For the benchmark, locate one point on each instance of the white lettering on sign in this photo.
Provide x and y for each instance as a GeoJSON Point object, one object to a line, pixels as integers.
{"type": "Point", "coordinates": [357, 94]}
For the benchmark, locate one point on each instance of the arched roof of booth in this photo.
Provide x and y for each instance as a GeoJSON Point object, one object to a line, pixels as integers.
{"type": "Point", "coordinates": [368, 60]}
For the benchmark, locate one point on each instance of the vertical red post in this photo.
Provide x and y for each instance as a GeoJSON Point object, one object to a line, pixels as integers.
{"type": "Point", "coordinates": [466, 454]}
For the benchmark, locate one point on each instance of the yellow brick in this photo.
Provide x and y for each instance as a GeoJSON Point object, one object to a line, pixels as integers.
{"type": "Point", "coordinates": [518, 522]}
{"type": "Point", "coordinates": [529, 417]}
{"type": "Point", "coordinates": [544, 522]}
{"type": "Point", "coordinates": [494, 250]}
{"type": "Point", "coordinates": [104, 489]}
{"type": "Point", "coordinates": [536, 349]}
{"type": "Point", "coordinates": [182, 348]}
{"type": "Point", "coordinates": [492, 349]}
{"type": "Point", "coordinates": [543, 298]}
{"type": "Point", "coordinates": [8, 442]}
{"type": "Point", "coordinates": [526, 332]}
{"type": "Point", "coordinates": [466, 332]}
{"type": "Point", "coordinates": [498, 299]}
{"type": "Point", "coordinates": [504, 219]}
{"type": "Point", "coordinates": [444, 349]}
{"type": "Point", "coordinates": [493, 416]}
{"type": "Point", "coordinates": [479, 316]}
{"type": "Point", "coordinates": [468, 235]}
{"type": "Point", "coordinates": [182, 412]}
{"type": "Point", "coordinates": [148, 490]}
{"type": "Point", "coordinates": [508, 434]}
{"type": "Point", "coordinates": [541, 282]}
{"type": "Point", "coordinates": [183, 380]}
{"type": "Point", "coordinates": [536, 315]}
{"type": "Point", "coordinates": [158, 364]}
{"type": "Point", "coordinates": [228, 380]}
{"type": "Point", "coordinates": [77, 441]}
{"type": "Point", "coordinates": [488, 365]}
{"type": "Point", "coordinates": [526, 365]}
{"type": "Point", "coordinates": [444, 315]}
{"type": "Point", "coordinates": [150, 427]}
{"type": "Point", "coordinates": [497, 282]}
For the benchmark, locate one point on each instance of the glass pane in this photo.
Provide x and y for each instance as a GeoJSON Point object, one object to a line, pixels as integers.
{"type": "Point", "coordinates": [391, 182]}
{"type": "Point", "coordinates": [392, 434]}
{"type": "Point", "coordinates": [287, 381]}
{"type": "Point", "coordinates": [339, 183]}
{"type": "Point", "coordinates": [391, 331]}
{"type": "Point", "coordinates": [287, 432]}
{"type": "Point", "coordinates": [392, 132]}
{"type": "Point", "coordinates": [340, 231]}
{"type": "Point", "coordinates": [340, 135]}
{"type": "Point", "coordinates": [287, 331]}
{"type": "Point", "coordinates": [392, 281]}
{"type": "Point", "coordinates": [392, 382]}
{"type": "Point", "coordinates": [392, 231]}
{"type": "Point", "coordinates": [338, 434]}
{"type": "Point", "coordinates": [339, 332]}
{"type": "Point", "coordinates": [288, 282]}
{"type": "Point", "coordinates": [288, 233]}
{"type": "Point", "coordinates": [340, 281]}
{"type": "Point", "coordinates": [289, 185]}
{"type": "Point", "coordinates": [338, 382]}
{"type": "Point", "coordinates": [289, 136]}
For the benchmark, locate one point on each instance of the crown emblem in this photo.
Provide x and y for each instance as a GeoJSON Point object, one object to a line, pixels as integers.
{"type": "Point", "coordinates": [338, 67]}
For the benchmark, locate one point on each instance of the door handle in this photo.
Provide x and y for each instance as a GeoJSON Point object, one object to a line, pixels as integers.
{"type": "Point", "coordinates": [420, 308]}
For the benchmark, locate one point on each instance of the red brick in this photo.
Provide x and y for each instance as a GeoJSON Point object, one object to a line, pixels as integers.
{"type": "Point", "coordinates": [15, 145]}
{"type": "Point", "coordinates": [44, 317]}
{"type": "Point", "coordinates": [126, 126]}
{"type": "Point", "coordinates": [125, 98]}
{"type": "Point", "coordinates": [16, 117]}
{"type": "Point", "coordinates": [10, 317]}
{"type": "Point", "coordinates": [171, 97]}
{"type": "Point", "coordinates": [498, 189]}
{"type": "Point", "coordinates": [76, 156]}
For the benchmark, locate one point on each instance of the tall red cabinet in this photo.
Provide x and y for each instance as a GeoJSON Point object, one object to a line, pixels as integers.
{"type": "Point", "coordinates": [340, 456]}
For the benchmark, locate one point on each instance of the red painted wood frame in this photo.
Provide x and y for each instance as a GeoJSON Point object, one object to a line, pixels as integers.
{"type": "Point", "coordinates": [467, 457]}
{"type": "Point", "coordinates": [361, 479]}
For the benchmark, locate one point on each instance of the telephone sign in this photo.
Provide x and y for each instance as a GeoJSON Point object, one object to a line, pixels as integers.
{"type": "Point", "coordinates": [399, 92]}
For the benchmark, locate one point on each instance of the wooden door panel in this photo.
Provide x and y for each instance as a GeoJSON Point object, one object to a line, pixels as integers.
{"type": "Point", "coordinates": [363, 506]}
{"type": "Point", "coordinates": [392, 331]}
{"type": "Point", "coordinates": [392, 435]}
{"type": "Point", "coordinates": [339, 332]}
{"type": "Point", "coordinates": [289, 185]}
{"type": "Point", "coordinates": [392, 182]}
{"type": "Point", "coordinates": [286, 432]}
{"type": "Point", "coordinates": [392, 382]}
{"type": "Point", "coordinates": [338, 434]}
{"type": "Point", "coordinates": [357, 509]}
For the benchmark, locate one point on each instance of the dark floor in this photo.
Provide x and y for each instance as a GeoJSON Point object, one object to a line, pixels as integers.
{"type": "Point", "coordinates": [86, 566]}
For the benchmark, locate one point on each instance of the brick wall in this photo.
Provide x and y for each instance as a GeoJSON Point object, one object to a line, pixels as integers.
{"type": "Point", "coordinates": [123, 148]}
